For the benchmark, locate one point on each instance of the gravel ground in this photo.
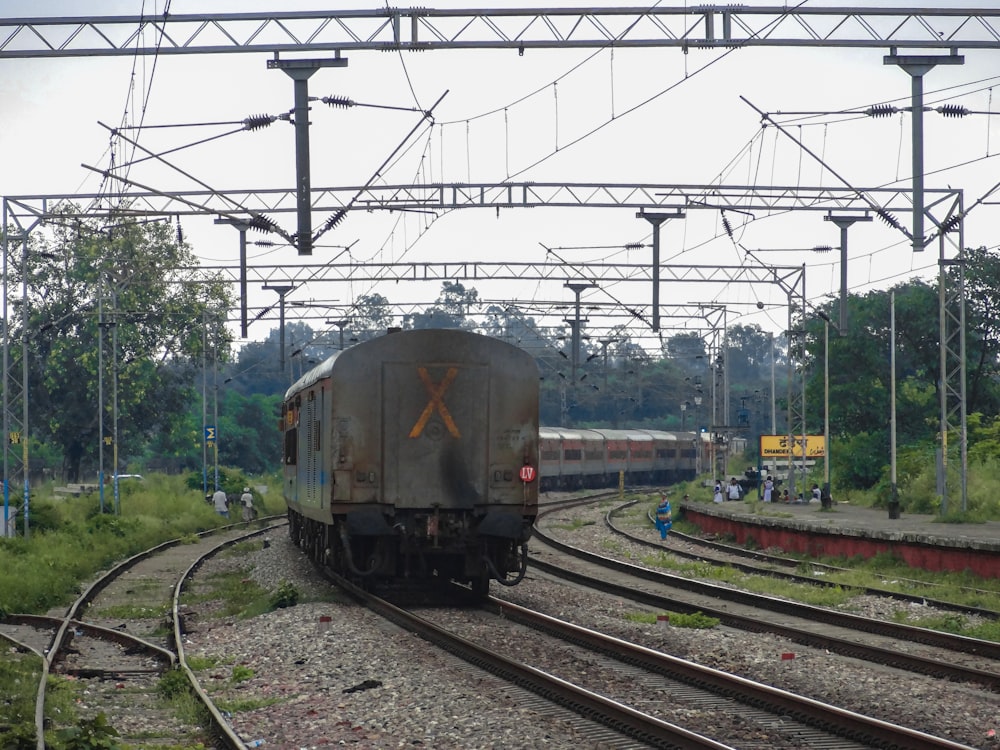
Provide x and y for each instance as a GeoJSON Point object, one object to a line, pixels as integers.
{"type": "Point", "coordinates": [357, 681]}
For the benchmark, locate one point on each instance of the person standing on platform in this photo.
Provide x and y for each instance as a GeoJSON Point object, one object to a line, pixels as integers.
{"type": "Point", "coordinates": [717, 492]}
{"type": "Point", "coordinates": [768, 489]}
{"type": "Point", "coordinates": [734, 489]}
{"type": "Point", "coordinates": [664, 519]}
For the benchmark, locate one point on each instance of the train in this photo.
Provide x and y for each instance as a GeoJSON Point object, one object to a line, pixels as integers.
{"type": "Point", "coordinates": [413, 456]}
{"type": "Point", "coordinates": [575, 459]}
{"type": "Point", "coordinates": [418, 455]}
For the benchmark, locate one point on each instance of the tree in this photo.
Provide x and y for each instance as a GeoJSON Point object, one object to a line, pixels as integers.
{"type": "Point", "coordinates": [116, 282]}
{"type": "Point", "coordinates": [450, 310]}
{"type": "Point", "coordinates": [372, 317]}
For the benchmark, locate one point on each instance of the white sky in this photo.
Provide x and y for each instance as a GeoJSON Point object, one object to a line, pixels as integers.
{"type": "Point", "coordinates": [697, 130]}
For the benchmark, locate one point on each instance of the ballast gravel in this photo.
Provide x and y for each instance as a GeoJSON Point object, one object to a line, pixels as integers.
{"type": "Point", "coordinates": [331, 674]}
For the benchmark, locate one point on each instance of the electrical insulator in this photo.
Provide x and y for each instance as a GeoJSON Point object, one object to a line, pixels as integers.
{"type": "Point", "coordinates": [726, 225]}
{"type": "Point", "coordinates": [262, 223]}
{"type": "Point", "coordinates": [952, 110]}
{"type": "Point", "coordinates": [951, 223]}
{"type": "Point", "coordinates": [180, 232]}
{"type": "Point", "coordinates": [335, 220]}
{"type": "Point", "coordinates": [256, 122]}
{"type": "Point", "coordinates": [888, 218]}
{"type": "Point", "coordinates": [633, 246]}
{"type": "Point", "coordinates": [338, 101]}
{"type": "Point", "coordinates": [881, 110]}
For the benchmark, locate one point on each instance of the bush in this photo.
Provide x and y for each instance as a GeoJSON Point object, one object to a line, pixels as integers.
{"type": "Point", "coordinates": [286, 596]}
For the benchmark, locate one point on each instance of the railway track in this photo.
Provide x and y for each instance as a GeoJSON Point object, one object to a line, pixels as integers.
{"type": "Point", "coordinates": [877, 641]}
{"type": "Point", "coordinates": [622, 719]}
{"type": "Point", "coordinates": [118, 641]}
{"type": "Point", "coordinates": [669, 688]}
{"type": "Point", "coordinates": [777, 566]}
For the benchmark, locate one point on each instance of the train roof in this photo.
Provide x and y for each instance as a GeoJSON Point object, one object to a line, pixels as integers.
{"type": "Point", "coordinates": [612, 434]}
{"type": "Point", "coordinates": [454, 337]}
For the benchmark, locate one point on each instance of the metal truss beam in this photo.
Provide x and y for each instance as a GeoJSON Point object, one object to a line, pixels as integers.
{"type": "Point", "coordinates": [425, 29]}
{"type": "Point", "coordinates": [449, 196]}
{"type": "Point", "coordinates": [503, 271]}
{"type": "Point", "coordinates": [617, 314]}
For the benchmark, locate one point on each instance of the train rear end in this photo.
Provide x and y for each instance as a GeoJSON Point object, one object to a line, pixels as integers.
{"type": "Point", "coordinates": [431, 469]}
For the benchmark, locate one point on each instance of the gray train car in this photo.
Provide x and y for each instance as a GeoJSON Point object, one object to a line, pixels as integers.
{"type": "Point", "coordinates": [415, 455]}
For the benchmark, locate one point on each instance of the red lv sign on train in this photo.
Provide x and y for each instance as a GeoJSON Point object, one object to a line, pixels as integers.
{"type": "Point", "coordinates": [436, 392]}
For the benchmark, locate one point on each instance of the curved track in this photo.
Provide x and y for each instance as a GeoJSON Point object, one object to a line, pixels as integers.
{"type": "Point", "coordinates": [124, 633]}
{"type": "Point", "coordinates": [777, 566]}
{"type": "Point", "coordinates": [835, 631]}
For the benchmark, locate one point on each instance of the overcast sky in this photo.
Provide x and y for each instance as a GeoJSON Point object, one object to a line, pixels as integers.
{"type": "Point", "coordinates": [634, 116]}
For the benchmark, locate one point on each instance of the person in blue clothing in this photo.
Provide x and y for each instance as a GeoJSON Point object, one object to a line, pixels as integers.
{"type": "Point", "coordinates": [664, 518]}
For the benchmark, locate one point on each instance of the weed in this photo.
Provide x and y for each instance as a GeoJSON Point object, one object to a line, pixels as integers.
{"type": "Point", "coordinates": [133, 612]}
{"type": "Point", "coordinates": [199, 663]}
{"type": "Point", "coordinates": [240, 674]}
{"type": "Point", "coordinates": [287, 595]}
{"type": "Point", "coordinates": [246, 704]}
{"type": "Point", "coordinates": [697, 620]}
{"type": "Point", "coordinates": [89, 734]}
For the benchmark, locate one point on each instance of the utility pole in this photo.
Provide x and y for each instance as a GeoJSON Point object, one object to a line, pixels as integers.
{"type": "Point", "coordinates": [656, 219]}
{"type": "Point", "coordinates": [242, 227]}
{"type": "Point", "coordinates": [844, 223]}
{"type": "Point", "coordinates": [282, 290]}
{"type": "Point", "coordinates": [300, 71]}
{"type": "Point", "coordinates": [918, 66]}
{"type": "Point", "coordinates": [574, 323]}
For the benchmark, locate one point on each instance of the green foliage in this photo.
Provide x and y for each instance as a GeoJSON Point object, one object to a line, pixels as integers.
{"type": "Point", "coordinates": [240, 674]}
{"type": "Point", "coordinates": [173, 684]}
{"type": "Point", "coordinates": [246, 704]}
{"type": "Point", "coordinates": [287, 595]}
{"type": "Point", "coordinates": [19, 737]}
{"type": "Point", "coordinates": [860, 458]}
{"type": "Point", "coordinates": [199, 663]}
{"type": "Point", "coordinates": [45, 570]}
{"type": "Point", "coordinates": [19, 675]}
{"type": "Point", "coordinates": [43, 515]}
{"type": "Point", "coordinates": [128, 274]}
{"type": "Point", "coordinates": [89, 734]}
{"type": "Point", "coordinates": [231, 481]}
{"type": "Point", "coordinates": [697, 620]}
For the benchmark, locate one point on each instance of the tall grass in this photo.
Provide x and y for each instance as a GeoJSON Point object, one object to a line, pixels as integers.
{"type": "Point", "coordinates": [71, 540]}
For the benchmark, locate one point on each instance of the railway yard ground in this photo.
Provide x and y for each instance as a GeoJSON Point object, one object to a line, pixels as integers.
{"type": "Point", "coordinates": [323, 671]}
{"type": "Point", "coordinates": [289, 679]}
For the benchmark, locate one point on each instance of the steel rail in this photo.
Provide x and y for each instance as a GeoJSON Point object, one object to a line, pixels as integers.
{"type": "Point", "coordinates": [655, 732]}
{"type": "Point", "coordinates": [848, 724]}
{"type": "Point", "coordinates": [894, 658]}
{"type": "Point", "coordinates": [71, 620]}
{"type": "Point", "coordinates": [784, 562]}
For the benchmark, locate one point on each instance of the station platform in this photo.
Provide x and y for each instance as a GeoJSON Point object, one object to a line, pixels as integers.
{"type": "Point", "coordinates": [847, 531]}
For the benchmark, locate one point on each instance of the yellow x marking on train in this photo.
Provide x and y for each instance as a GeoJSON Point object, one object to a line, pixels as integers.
{"type": "Point", "coordinates": [436, 393]}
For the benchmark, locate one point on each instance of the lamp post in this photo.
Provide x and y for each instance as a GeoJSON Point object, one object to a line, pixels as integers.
{"type": "Point", "coordinates": [825, 497]}
{"type": "Point", "coordinates": [697, 419]}
{"type": "Point", "coordinates": [825, 500]}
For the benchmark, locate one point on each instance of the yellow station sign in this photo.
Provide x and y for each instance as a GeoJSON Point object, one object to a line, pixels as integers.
{"type": "Point", "coordinates": [777, 446]}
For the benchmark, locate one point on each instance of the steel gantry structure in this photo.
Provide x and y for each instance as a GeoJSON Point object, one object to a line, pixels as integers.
{"type": "Point", "coordinates": [526, 28]}
{"type": "Point", "coordinates": [425, 29]}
